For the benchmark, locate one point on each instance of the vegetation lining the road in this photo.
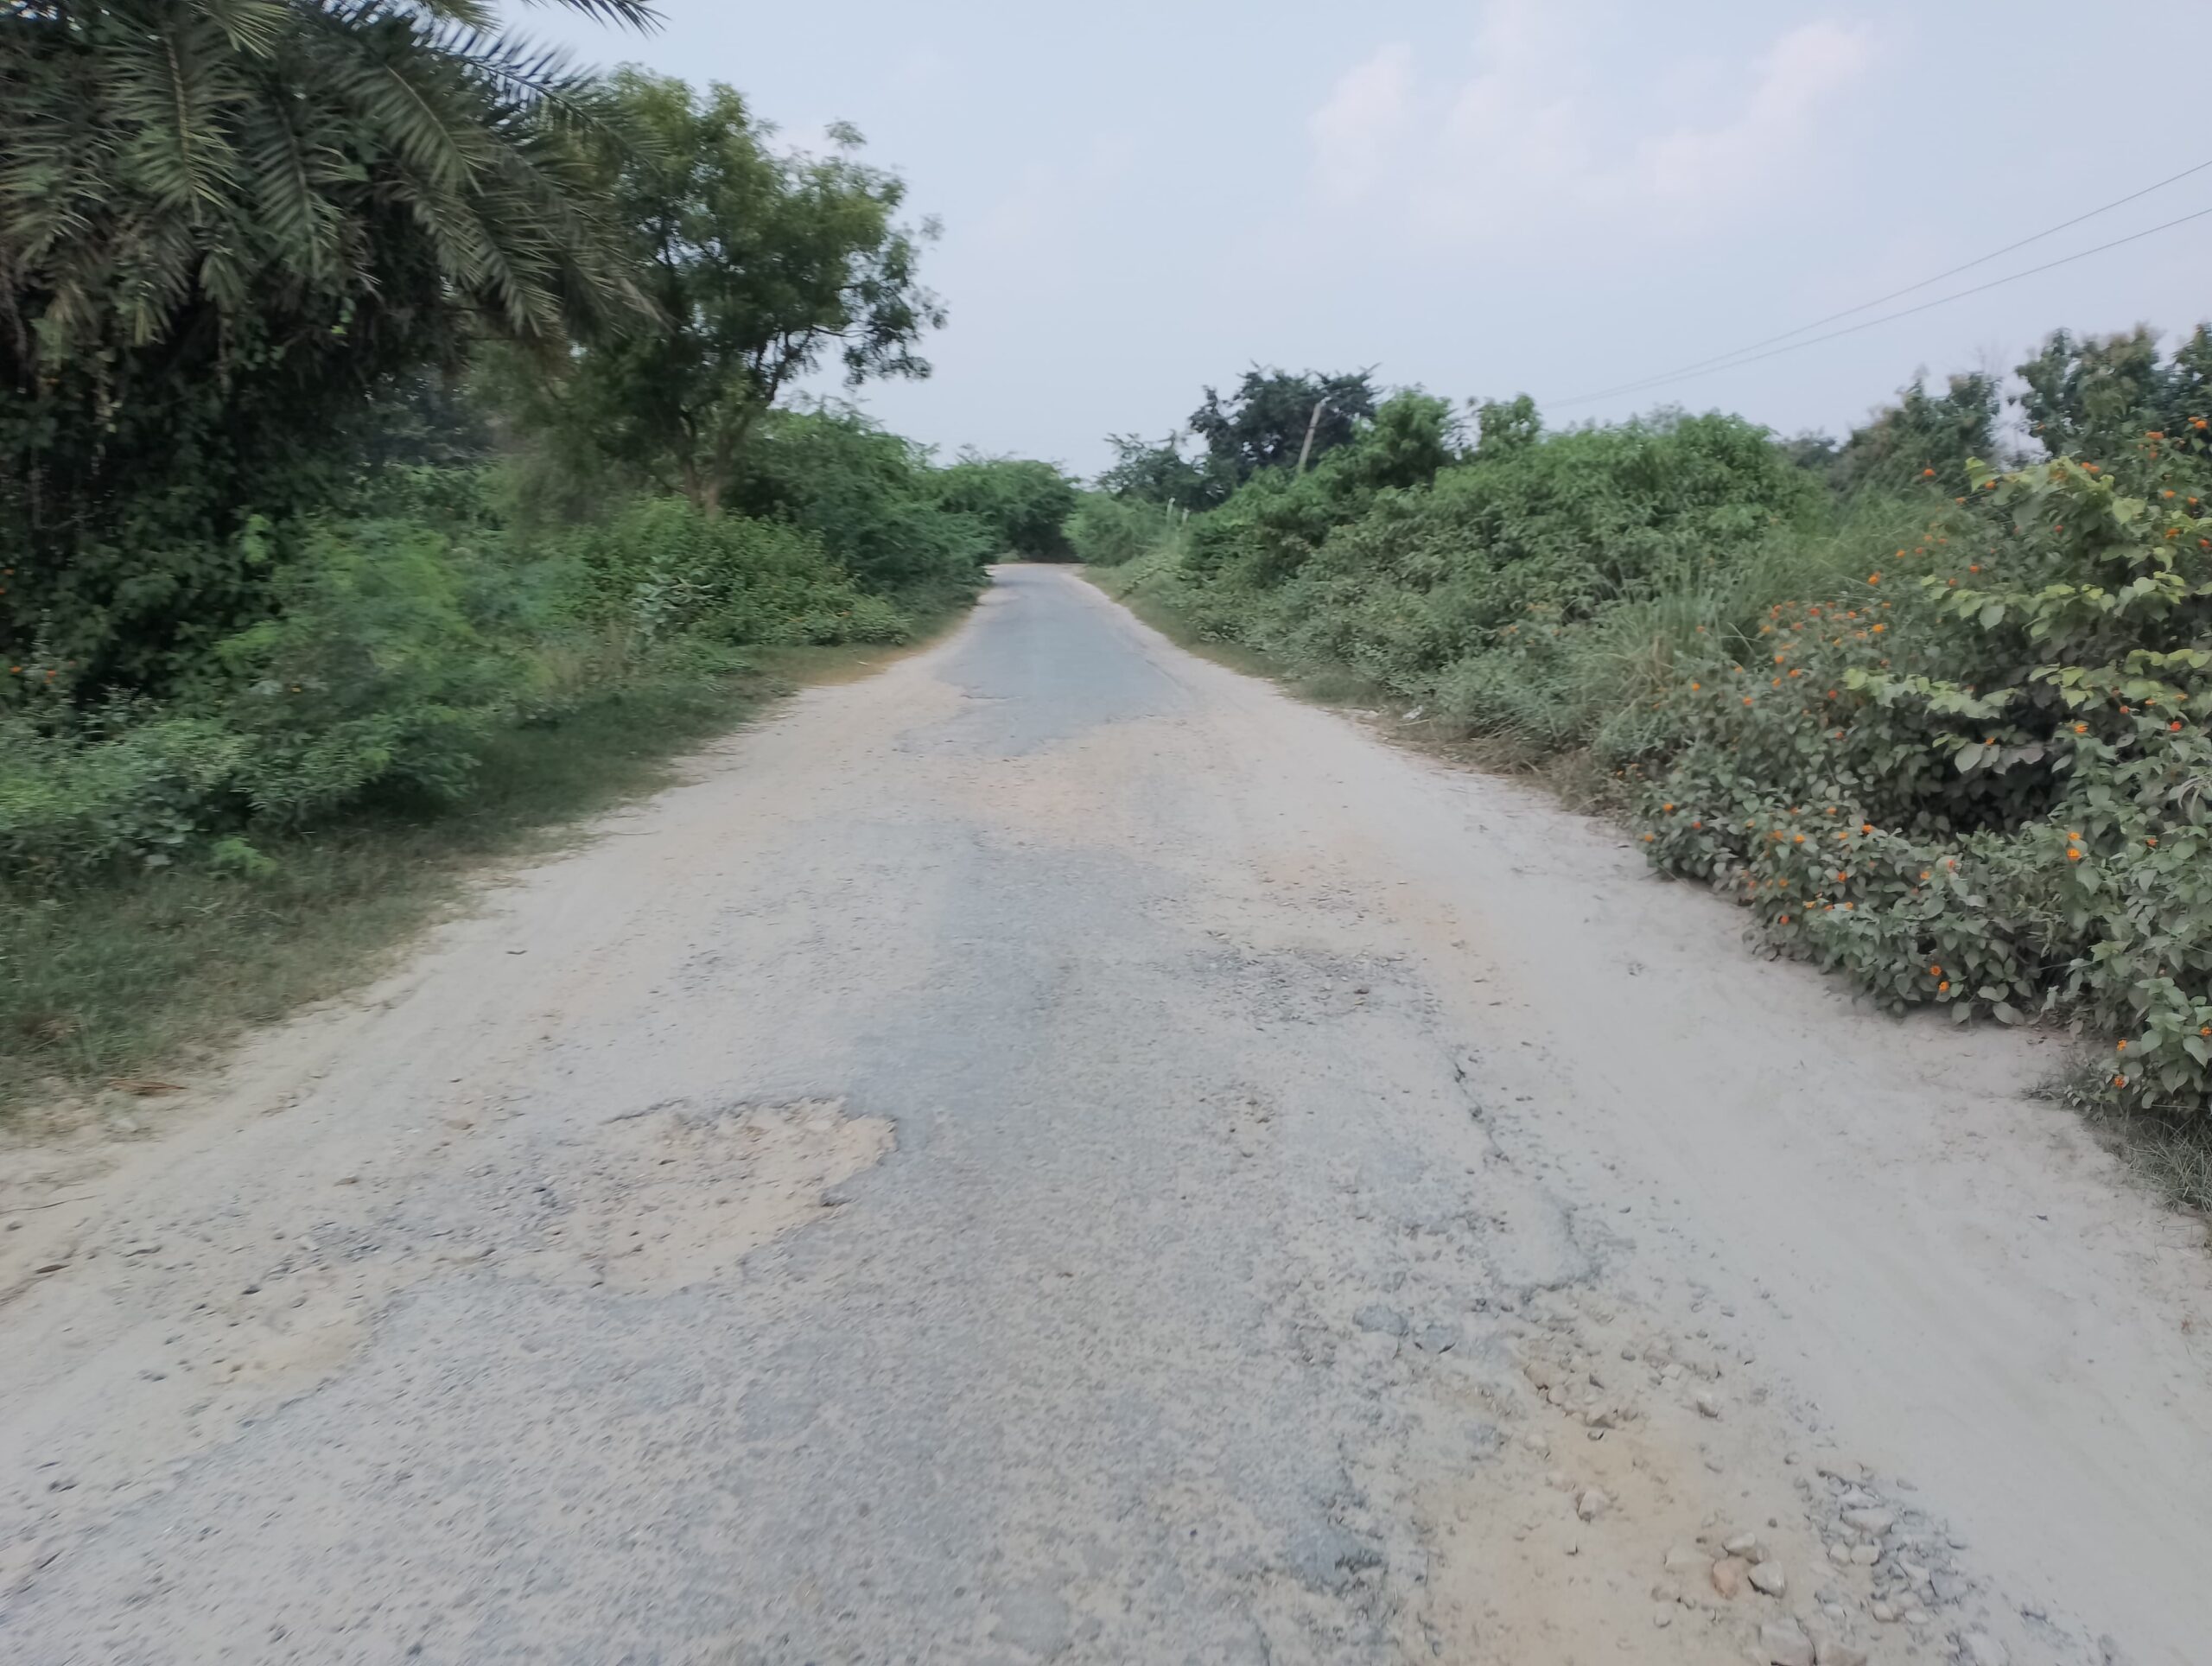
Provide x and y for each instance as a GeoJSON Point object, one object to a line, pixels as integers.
{"type": "Point", "coordinates": [1938, 721]}
{"type": "Point", "coordinates": [137, 977]}
{"type": "Point", "coordinates": [397, 458]}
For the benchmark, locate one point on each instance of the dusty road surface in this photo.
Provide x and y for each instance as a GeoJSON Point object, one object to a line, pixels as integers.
{"type": "Point", "coordinates": [1057, 1152]}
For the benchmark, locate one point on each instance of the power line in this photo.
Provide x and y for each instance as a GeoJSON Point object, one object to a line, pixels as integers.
{"type": "Point", "coordinates": [1720, 360]}
{"type": "Point", "coordinates": [1907, 312]}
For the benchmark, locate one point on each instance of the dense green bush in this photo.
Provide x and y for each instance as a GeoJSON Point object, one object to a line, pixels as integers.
{"type": "Point", "coordinates": [1472, 584]}
{"type": "Point", "coordinates": [1024, 503]}
{"type": "Point", "coordinates": [1979, 776]}
{"type": "Point", "coordinates": [1945, 734]}
{"type": "Point", "coordinates": [392, 652]}
{"type": "Point", "coordinates": [873, 498]}
{"type": "Point", "coordinates": [1107, 532]}
{"type": "Point", "coordinates": [668, 570]}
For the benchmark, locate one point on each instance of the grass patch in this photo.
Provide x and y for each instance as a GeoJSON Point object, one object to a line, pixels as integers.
{"type": "Point", "coordinates": [2171, 1155]}
{"type": "Point", "coordinates": [148, 975]}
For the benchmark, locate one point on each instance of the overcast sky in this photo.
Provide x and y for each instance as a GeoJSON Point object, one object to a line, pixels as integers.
{"type": "Point", "coordinates": [1548, 196]}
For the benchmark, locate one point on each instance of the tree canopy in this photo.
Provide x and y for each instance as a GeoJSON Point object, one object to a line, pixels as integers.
{"type": "Point", "coordinates": [222, 224]}
{"type": "Point", "coordinates": [761, 263]}
{"type": "Point", "coordinates": [1264, 423]}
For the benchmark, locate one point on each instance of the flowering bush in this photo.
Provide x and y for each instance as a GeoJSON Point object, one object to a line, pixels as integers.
{"type": "Point", "coordinates": [1978, 777]}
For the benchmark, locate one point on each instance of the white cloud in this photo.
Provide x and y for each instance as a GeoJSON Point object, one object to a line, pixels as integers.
{"type": "Point", "coordinates": [1535, 131]}
{"type": "Point", "coordinates": [1798, 76]}
{"type": "Point", "coordinates": [1365, 123]}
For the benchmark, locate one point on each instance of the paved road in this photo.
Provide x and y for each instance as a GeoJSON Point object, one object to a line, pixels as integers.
{"type": "Point", "coordinates": [1057, 1152]}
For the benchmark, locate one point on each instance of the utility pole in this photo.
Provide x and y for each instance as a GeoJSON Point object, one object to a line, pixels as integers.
{"type": "Point", "coordinates": [1312, 423]}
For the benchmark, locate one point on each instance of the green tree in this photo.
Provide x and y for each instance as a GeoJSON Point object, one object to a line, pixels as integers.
{"type": "Point", "coordinates": [1264, 424]}
{"type": "Point", "coordinates": [1505, 426]}
{"type": "Point", "coordinates": [871, 497]}
{"type": "Point", "coordinates": [2106, 399]}
{"type": "Point", "coordinates": [222, 224]}
{"type": "Point", "coordinates": [762, 262]}
{"type": "Point", "coordinates": [1924, 436]}
{"type": "Point", "coordinates": [1024, 502]}
{"type": "Point", "coordinates": [1157, 472]}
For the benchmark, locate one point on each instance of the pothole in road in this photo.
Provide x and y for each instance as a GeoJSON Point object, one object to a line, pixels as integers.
{"type": "Point", "coordinates": [679, 1195]}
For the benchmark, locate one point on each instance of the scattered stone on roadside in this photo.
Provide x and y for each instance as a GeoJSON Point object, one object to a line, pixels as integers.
{"type": "Point", "coordinates": [1767, 1576]}
{"type": "Point", "coordinates": [1866, 1555]}
{"type": "Point", "coordinates": [1707, 1406]}
{"type": "Point", "coordinates": [1840, 1555]}
{"type": "Point", "coordinates": [1559, 1480]}
{"type": "Point", "coordinates": [1728, 1576]}
{"type": "Point", "coordinates": [1593, 1504]}
{"type": "Point", "coordinates": [1745, 1545]}
{"type": "Point", "coordinates": [1883, 1611]}
{"type": "Point", "coordinates": [1829, 1652]}
{"type": "Point", "coordinates": [1663, 1616]}
{"type": "Point", "coordinates": [45, 1268]}
{"type": "Point", "coordinates": [1375, 1317]}
{"type": "Point", "coordinates": [1871, 1522]}
{"type": "Point", "coordinates": [1683, 1558]}
{"type": "Point", "coordinates": [1784, 1642]}
{"type": "Point", "coordinates": [1438, 1339]}
{"type": "Point", "coordinates": [142, 1248]}
{"type": "Point", "coordinates": [1982, 1649]}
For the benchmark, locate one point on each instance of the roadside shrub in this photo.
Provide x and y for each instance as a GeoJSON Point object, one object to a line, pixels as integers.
{"type": "Point", "coordinates": [125, 786]}
{"type": "Point", "coordinates": [1023, 502]}
{"type": "Point", "coordinates": [1107, 532]}
{"type": "Point", "coordinates": [668, 570]}
{"type": "Point", "coordinates": [872, 498]}
{"type": "Point", "coordinates": [1979, 776]}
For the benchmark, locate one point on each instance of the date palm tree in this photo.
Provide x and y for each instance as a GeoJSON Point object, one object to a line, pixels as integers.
{"type": "Point", "coordinates": [222, 222]}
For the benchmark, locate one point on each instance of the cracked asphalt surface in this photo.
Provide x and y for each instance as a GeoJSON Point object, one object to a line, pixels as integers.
{"type": "Point", "coordinates": [1057, 1152]}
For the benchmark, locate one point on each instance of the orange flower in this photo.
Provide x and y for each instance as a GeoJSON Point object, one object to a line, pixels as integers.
{"type": "Point", "coordinates": [1944, 988]}
{"type": "Point", "coordinates": [1876, 578]}
{"type": "Point", "coordinates": [2073, 853]}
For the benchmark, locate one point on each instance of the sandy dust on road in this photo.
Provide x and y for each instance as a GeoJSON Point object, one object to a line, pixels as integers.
{"type": "Point", "coordinates": [1057, 1151]}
